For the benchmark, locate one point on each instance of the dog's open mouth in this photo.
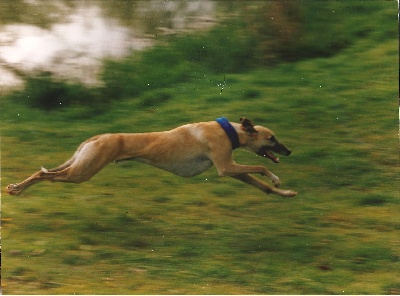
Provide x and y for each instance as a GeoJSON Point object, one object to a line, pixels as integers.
{"type": "Point", "coordinates": [266, 153]}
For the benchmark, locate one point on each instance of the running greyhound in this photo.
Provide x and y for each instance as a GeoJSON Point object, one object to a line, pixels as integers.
{"type": "Point", "coordinates": [186, 151]}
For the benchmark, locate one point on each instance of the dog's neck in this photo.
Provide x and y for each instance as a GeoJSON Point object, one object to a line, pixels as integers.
{"type": "Point", "coordinates": [230, 131]}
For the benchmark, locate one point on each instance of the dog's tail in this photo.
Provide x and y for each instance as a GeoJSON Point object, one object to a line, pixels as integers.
{"type": "Point", "coordinates": [70, 161]}
{"type": "Point", "coordinates": [59, 168]}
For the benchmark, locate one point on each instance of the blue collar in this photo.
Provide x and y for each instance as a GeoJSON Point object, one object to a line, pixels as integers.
{"type": "Point", "coordinates": [230, 131]}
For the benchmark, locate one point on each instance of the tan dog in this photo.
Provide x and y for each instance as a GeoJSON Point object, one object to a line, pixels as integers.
{"type": "Point", "coordinates": [186, 151]}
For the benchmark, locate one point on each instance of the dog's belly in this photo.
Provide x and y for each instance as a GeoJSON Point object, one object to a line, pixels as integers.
{"type": "Point", "coordinates": [183, 167]}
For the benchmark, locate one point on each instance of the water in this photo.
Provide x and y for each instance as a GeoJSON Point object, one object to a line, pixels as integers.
{"type": "Point", "coordinates": [71, 40]}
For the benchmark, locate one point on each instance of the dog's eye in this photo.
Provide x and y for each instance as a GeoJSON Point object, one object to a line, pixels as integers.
{"type": "Point", "coordinates": [272, 139]}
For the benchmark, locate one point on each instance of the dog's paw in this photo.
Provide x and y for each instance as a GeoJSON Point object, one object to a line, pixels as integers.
{"type": "Point", "coordinates": [276, 181]}
{"type": "Point", "coordinates": [288, 193]}
{"type": "Point", "coordinates": [12, 189]}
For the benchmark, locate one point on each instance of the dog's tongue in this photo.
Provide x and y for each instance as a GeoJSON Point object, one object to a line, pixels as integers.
{"type": "Point", "coordinates": [270, 155]}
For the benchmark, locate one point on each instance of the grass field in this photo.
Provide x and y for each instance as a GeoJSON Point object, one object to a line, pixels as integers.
{"type": "Point", "coordinates": [134, 229]}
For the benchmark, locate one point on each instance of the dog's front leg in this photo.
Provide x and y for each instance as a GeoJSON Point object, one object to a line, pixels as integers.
{"type": "Point", "coordinates": [253, 181]}
{"type": "Point", "coordinates": [226, 166]}
{"type": "Point", "coordinates": [233, 169]}
{"type": "Point", "coordinates": [274, 178]}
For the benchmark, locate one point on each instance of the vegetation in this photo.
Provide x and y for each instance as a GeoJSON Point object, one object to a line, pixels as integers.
{"type": "Point", "coordinates": [134, 229]}
{"type": "Point", "coordinates": [276, 32]}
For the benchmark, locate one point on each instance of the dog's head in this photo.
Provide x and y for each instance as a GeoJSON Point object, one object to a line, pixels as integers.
{"type": "Point", "coordinates": [262, 141]}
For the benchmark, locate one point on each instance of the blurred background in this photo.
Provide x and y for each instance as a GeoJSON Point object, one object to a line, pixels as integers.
{"type": "Point", "coordinates": [322, 75]}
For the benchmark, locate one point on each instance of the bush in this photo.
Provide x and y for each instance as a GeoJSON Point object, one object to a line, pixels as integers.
{"type": "Point", "coordinates": [226, 48]}
{"type": "Point", "coordinates": [263, 34]}
{"type": "Point", "coordinates": [290, 31]}
{"type": "Point", "coordinates": [221, 50]}
{"type": "Point", "coordinates": [45, 92]}
{"type": "Point", "coordinates": [155, 68]}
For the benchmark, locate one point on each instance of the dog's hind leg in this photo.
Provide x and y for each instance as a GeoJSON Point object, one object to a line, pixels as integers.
{"type": "Point", "coordinates": [71, 174]}
{"type": "Point", "coordinates": [60, 167]}
{"type": "Point", "coordinates": [87, 161]}
{"type": "Point", "coordinates": [41, 175]}
{"type": "Point", "coordinates": [68, 163]}
{"type": "Point", "coordinates": [249, 179]}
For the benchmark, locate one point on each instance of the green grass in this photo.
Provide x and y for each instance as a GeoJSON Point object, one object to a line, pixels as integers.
{"type": "Point", "coordinates": [134, 229]}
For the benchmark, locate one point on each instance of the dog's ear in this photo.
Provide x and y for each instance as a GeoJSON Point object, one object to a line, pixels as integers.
{"type": "Point", "coordinates": [248, 126]}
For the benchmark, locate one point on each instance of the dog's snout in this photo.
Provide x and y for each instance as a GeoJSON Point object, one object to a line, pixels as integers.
{"type": "Point", "coordinates": [282, 149]}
